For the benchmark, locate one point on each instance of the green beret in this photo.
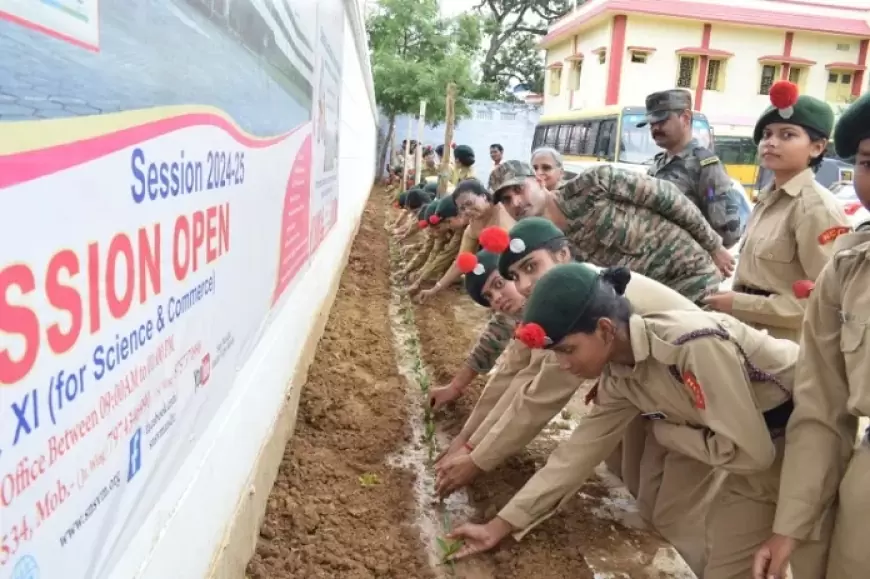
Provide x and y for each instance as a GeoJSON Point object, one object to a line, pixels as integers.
{"type": "Point", "coordinates": [808, 112]}
{"type": "Point", "coordinates": [853, 127]}
{"type": "Point", "coordinates": [480, 266]}
{"type": "Point", "coordinates": [403, 198]}
{"type": "Point", "coordinates": [464, 153]}
{"type": "Point", "coordinates": [421, 213]}
{"type": "Point", "coordinates": [431, 188]}
{"type": "Point", "coordinates": [430, 210]}
{"type": "Point", "coordinates": [526, 236]}
{"type": "Point", "coordinates": [559, 299]}
{"type": "Point", "coordinates": [447, 208]}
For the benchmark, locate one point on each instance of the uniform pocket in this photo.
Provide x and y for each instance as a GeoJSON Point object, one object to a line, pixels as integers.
{"type": "Point", "coordinates": [852, 337]}
{"type": "Point", "coordinates": [776, 249]}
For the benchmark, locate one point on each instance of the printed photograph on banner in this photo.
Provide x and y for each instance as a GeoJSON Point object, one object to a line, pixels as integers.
{"type": "Point", "coordinates": [162, 167]}
{"type": "Point", "coordinates": [328, 71]}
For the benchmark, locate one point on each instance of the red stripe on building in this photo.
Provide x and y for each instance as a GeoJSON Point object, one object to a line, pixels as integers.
{"type": "Point", "coordinates": [617, 50]}
{"type": "Point", "coordinates": [858, 79]}
{"type": "Point", "coordinates": [786, 51]}
{"type": "Point", "coordinates": [703, 66]}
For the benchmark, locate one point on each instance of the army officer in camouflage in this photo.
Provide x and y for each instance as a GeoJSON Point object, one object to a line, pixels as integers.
{"type": "Point", "coordinates": [694, 169]}
{"type": "Point", "coordinates": [617, 217]}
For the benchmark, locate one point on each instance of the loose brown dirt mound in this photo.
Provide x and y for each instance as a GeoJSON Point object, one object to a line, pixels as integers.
{"type": "Point", "coordinates": [337, 510]}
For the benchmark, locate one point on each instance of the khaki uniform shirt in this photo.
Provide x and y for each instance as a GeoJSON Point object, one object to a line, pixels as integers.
{"type": "Point", "coordinates": [499, 218]}
{"type": "Point", "coordinates": [442, 256]}
{"type": "Point", "coordinates": [698, 393]}
{"type": "Point", "coordinates": [832, 389]}
{"type": "Point", "coordinates": [422, 254]}
{"type": "Point", "coordinates": [461, 173]}
{"type": "Point", "coordinates": [537, 394]}
{"type": "Point", "coordinates": [790, 237]}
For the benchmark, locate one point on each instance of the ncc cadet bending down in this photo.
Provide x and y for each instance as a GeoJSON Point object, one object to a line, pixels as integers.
{"type": "Point", "coordinates": [418, 259]}
{"type": "Point", "coordinates": [832, 391]}
{"type": "Point", "coordinates": [447, 226]}
{"type": "Point", "coordinates": [618, 217]}
{"type": "Point", "coordinates": [795, 222]}
{"type": "Point", "coordinates": [694, 169]}
{"type": "Point", "coordinates": [518, 402]}
{"type": "Point", "coordinates": [475, 205]}
{"type": "Point", "coordinates": [718, 390]}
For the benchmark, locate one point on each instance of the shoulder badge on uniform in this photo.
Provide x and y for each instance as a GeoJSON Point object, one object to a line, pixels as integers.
{"type": "Point", "coordinates": [698, 394]}
{"type": "Point", "coordinates": [829, 235]}
{"type": "Point", "coordinates": [709, 161]}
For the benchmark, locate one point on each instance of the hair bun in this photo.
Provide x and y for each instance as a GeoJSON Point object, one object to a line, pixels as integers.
{"type": "Point", "coordinates": [618, 277]}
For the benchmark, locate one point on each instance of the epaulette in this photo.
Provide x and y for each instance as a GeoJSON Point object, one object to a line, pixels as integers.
{"type": "Point", "coordinates": [705, 156]}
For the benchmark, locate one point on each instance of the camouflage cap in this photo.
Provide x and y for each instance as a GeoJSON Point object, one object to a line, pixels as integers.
{"type": "Point", "coordinates": [508, 174]}
{"type": "Point", "coordinates": [660, 104]}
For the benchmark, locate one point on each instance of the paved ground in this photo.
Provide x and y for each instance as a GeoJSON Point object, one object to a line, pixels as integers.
{"type": "Point", "coordinates": [152, 53]}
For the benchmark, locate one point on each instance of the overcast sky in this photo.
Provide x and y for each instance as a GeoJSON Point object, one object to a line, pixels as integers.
{"type": "Point", "coordinates": [451, 7]}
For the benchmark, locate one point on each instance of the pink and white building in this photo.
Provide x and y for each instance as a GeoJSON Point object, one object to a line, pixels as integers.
{"type": "Point", "coordinates": [727, 52]}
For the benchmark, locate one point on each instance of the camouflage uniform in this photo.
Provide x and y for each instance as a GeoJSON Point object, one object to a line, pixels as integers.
{"type": "Point", "coordinates": [697, 172]}
{"type": "Point", "coordinates": [442, 256]}
{"type": "Point", "coordinates": [492, 342]}
{"type": "Point", "coordinates": [619, 217]}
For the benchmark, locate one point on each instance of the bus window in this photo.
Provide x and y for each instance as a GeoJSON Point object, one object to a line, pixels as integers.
{"type": "Point", "coordinates": [578, 136]}
{"type": "Point", "coordinates": [591, 137]}
{"type": "Point", "coordinates": [563, 139]}
{"type": "Point", "coordinates": [605, 141]}
{"type": "Point", "coordinates": [538, 141]}
{"type": "Point", "coordinates": [552, 135]}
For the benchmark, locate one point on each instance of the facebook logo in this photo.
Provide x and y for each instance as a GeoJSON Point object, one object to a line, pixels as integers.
{"type": "Point", "coordinates": [135, 458]}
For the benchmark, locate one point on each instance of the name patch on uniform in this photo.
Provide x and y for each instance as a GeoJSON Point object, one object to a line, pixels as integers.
{"type": "Point", "coordinates": [698, 394]}
{"type": "Point", "coordinates": [709, 161]}
{"type": "Point", "coordinates": [829, 235]}
{"type": "Point", "coordinates": [654, 415]}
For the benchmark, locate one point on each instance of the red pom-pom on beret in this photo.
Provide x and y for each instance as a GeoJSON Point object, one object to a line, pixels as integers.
{"type": "Point", "coordinates": [783, 94]}
{"type": "Point", "coordinates": [494, 239]}
{"type": "Point", "coordinates": [466, 262]}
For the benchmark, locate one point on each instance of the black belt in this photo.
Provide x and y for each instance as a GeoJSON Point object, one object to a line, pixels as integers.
{"type": "Point", "coordinates": [776, 419]}
{"type": "Point", "coordinates": [744, 289]}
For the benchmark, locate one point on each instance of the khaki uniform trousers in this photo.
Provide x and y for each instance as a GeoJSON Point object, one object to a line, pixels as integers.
{"type": "Point", "coordinates": [849, 556]}
{"type": "Point", "coordinates": [740, 520]}
{"type": "Point", "coordinates": [673, 491]}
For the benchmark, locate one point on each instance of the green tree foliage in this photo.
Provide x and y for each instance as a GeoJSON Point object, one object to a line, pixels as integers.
{"type": "Point", "coordinates": [416, 53]}
{"type": "Point", "coordinates": [513, 29]}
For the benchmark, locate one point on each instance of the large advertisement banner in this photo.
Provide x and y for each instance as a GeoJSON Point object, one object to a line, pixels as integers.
{"type": "Point", "coordinates": [158, 197]}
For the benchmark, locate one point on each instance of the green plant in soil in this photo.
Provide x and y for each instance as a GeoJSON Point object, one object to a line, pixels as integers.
{"type": "Point", "coordinates": [448, 547]}
{"type": "Point", "coordinates": [369, 479]}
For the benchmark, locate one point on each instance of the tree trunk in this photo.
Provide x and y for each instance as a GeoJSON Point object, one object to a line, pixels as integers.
{"type": "Point", "coordinates": [383, 159]}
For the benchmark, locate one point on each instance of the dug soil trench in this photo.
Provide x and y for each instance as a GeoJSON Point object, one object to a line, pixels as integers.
{"type": "Point", "coordinates": [349, 504]}
{"type": "Point", "coordinates": [337, 510]}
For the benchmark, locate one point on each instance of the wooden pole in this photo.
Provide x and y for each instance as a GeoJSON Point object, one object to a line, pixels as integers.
{"type": "Point", "coordinates": [406, 152]}
{"type": "Point", "coordinates": [419, 157]}
{"type": "Point", "coordinates": [449, 119]}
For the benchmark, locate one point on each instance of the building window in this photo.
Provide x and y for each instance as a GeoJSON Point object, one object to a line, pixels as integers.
{"type": "Point", "coordinates": [483, 115]}
{"type": "Point", "coordinates": [508, 116]}
{"type": "Point", "coordinates": [555, 81]}
{"type": "Point", "coordinates": [839, 89]}
{"type": "Point", "coordinates": [798, 75]}
{"type": "Point", "coordinates": [844, 47]}
{"type": "Point", "coordinates": [687, 72]}
{"type": "Point", "coordinates": [576, 70]}
{"type": "Point", "coordinates": [715, 75]}
{"type": "Point", "coordinates": [602, 56]}
{"type": "Point", "coordinates": [769, 74]}
{"type": "Point", "coordinates": [639, 57]}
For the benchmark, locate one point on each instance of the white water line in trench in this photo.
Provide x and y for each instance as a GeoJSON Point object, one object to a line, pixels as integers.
{"type": "Point", "coordinates": [415, 456]}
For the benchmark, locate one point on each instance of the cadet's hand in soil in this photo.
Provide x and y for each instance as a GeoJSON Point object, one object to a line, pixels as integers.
{"type": "Point", "coordinates": [721, 302]}
{"type": "Point", "coordinates": [457, 446]}
{"type": "Point", "coordinates": [426, 295]}
{"type": "Point", "coordinates": [771, 560]}
{"type": "Point", "coordinates": [442, 395]}
{"type": "Point", "coordinates": [724, 261]}
{"type": "Point", "coordinates": [453, 473]}
{"type": "Point", "coordinates": [479, 538]}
